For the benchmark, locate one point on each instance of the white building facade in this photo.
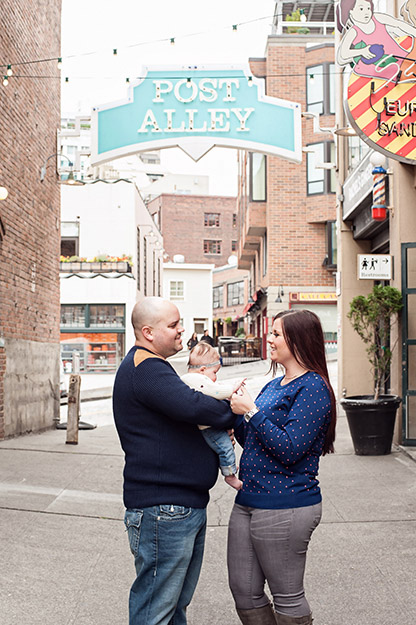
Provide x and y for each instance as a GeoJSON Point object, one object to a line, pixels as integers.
{"type": "Point", "coordinates": [111, 256]}
{"type": "Point", "coordinates": [189, 287]}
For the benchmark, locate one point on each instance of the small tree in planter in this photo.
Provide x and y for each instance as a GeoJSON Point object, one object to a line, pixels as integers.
{"type": "Point", "coordinates": [371, 417]}
{"type": "Point", "coordinates": [372, 318]}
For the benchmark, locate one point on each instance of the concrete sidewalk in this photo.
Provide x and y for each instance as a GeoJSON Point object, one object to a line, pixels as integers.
{"type": "Point", "coordinates": [65, 557]}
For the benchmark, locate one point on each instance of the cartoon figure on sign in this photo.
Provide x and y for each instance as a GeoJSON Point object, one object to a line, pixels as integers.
{"type": "Point", "coordinates": [376, 45]}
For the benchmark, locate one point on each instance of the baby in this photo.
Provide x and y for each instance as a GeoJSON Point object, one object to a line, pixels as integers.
{"type": "Point", "coordinates": [205, 363]}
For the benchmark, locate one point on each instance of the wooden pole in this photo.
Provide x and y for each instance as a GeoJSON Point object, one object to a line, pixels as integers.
{"type": "Point", "coordinates": [73, 403]}
{"type": "Point", "coordinates": [73, 409]}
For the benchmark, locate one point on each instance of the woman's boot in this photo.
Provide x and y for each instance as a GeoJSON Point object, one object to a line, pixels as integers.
{"type": "Point", "coordinates": [258, 616]}
{"type": "Point", "coordinates": [285, 619]}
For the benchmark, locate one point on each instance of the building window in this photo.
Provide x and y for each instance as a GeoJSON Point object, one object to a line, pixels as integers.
{"type": "Point", "coordinates": [217, 296]}
{"type": "Point", "coordinates": [212, 247]}
{"type": "Point", "coordinates": [233, 246]}
{"type": "Point", "coordinates": [357, 150]}
{"type": "Point", "coordinates": [212, 220]}
{"type": "Point", "coordinates": [92, 316]}
{"type": "Point", "coordinates": [106, 315]}
{"type": "Point", "coordinates": [257, 191]}
{"type": "Point", "coordinates": [73, 316]}
{"type": "Point", "coordinates": [144, 266]}
{"type": "Point", "coordinates": [138, 259]}
{"type": "Point", "coordinates": [331, 245]}
{"type": "Point", "coordinates": [320, 89]}
{"type": "Point", "coordinates": [69, 238]}
{"type": "Point", "coordinates": [176, 289]}
{"type": "Point", "coordinates": [235, 293]}
{"type": "Point", "coordinates": [320, 180]}
{"type": "Point", "coordinates": [234, 220]}
{"type": "Point", "coordinates": [265, 254]}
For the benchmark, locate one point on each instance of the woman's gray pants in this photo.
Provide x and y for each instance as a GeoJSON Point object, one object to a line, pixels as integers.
{"type": "Point", "coordinates": [270, 545]}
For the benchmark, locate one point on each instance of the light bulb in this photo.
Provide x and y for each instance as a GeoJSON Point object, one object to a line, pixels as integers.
{"type": "Point", "coordinates": [59, 65]}
{"type": "Point", "coordinates": [3, 193]}
{"type": "Point", "coordinates": [5, 81]}
{"type": "Point", "coordinates": [9, 70]}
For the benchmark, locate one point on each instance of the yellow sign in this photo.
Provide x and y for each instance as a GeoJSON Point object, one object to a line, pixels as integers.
{"type": "Point", "coordinates": [309, 297]}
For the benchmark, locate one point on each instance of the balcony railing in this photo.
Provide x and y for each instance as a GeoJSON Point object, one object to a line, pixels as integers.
{"type": "Point", "coordinates": [313, 28]}
{"type": "Point", "coordinates": [95, 267]}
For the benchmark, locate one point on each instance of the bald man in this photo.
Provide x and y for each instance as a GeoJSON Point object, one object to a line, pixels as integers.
{"type": "Point", "coordinates": [169, 468]}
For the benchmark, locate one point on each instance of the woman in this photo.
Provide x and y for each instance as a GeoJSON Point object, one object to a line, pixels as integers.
{"type": "Point", "coordinates": [192, 341]}
{"type": "Point", "coordinates": [283, 433]}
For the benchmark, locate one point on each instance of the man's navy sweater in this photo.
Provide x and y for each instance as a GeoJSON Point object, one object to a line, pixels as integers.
{"type": "Point", "coordinates": [167, 460]}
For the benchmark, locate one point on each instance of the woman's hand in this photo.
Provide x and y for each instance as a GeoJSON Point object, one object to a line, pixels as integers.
{"type": "Point", "coordinates": [242, 401]}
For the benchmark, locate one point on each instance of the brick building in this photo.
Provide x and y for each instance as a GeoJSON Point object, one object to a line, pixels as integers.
{"type": "Point", "coordinates": [30, 227]}
{"type": "Point", "coordinates": [286, 211]}
{"type": "Point", "coordinates": [203, 228]}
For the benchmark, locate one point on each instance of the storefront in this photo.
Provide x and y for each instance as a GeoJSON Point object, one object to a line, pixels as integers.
{"type": "Point", "coordinates": [96, 332]}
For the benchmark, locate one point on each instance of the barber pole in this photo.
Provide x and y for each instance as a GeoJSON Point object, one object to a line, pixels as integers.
{"type": "Point", "coordinates": [379, 208]}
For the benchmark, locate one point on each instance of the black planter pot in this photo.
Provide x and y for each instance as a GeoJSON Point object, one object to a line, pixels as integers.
{"type": "Point", "coordinates": [371, 422]}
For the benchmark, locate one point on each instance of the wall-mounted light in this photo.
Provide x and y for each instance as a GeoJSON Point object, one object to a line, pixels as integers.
{"type": "Point", "coordinates": [280, 294]}
{"type": "Point", "coordinates": [345, 131]}
{"type": "Point", "coordinates": [3, 193]}
{"type": "Point", "coordinates": [71, 180]}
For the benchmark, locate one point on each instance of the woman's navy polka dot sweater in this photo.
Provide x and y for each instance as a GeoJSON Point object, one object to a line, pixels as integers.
{"type": "Point", "coordinates": [282, 444]}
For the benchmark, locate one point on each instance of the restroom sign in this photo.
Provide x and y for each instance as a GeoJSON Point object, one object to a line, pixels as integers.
{"type": "Point", "coordinates": [375, 266]}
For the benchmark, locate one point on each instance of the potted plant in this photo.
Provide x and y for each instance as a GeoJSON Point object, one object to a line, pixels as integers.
{"type": "Point", "coordinates": [371, 417]}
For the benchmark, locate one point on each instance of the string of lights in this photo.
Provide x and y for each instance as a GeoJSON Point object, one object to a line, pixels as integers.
{"type": "Point", "coordinates": [170, 77]}
{"type": "Point", "coordinates": [8, 67]}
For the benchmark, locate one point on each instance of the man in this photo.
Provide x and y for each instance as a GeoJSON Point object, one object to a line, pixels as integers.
{"type": "Point", "coordinates": [207, 338]}
{"type": "Point", "coordinates": [169, 468]}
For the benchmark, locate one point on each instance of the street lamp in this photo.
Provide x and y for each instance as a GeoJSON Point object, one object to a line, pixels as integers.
{"type": "Point", "coordinates": [71, 180]}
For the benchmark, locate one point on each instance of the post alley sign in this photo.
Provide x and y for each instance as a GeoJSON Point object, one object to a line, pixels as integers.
{"type": "Point", "coordinates": [196, 109]}
{"type": "Point", "coordinates": [380, 99]}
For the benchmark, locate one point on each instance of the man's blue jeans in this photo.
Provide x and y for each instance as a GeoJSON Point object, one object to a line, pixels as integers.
{"type": "Point", "coordinates": [167, 542]}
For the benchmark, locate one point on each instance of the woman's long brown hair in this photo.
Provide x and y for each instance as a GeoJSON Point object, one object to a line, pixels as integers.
{"type": "Point", "coordinates": [303, 334]}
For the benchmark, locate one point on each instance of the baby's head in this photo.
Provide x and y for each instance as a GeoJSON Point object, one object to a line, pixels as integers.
{"type": "Point", "coordinates": [204, 359]}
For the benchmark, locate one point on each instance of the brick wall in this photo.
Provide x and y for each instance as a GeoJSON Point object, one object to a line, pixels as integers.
{"type": "Point", "coordinates": [182, 225]}
{"type": "Point", "coordinates": [295, 221]}
{"type": "Point", "coordinates": [29, 251]}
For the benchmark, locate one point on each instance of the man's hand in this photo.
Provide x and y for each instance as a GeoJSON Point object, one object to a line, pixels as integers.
{"type": "Point", "coordinates": [231, 435]}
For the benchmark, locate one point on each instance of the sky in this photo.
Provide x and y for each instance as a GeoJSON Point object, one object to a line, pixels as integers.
{"type": "Point", "coordinates": [203, 33]}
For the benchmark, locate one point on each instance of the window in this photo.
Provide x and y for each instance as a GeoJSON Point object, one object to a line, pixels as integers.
{"type": "Point", "coordinates": [234, 220]}
{"type": "Point", "coordinates": [73, 316]}
{"type": "Point", "coordinates": [265, 254]}
{"type": "Point", "coordinates": [217, 296]}
{"type": "Point", "coordinates": [176, 289]}
{"type": "Point", "coordinates": [69, 238]}
{"type": "Point", "coordinates": [138, 259]}
{"type": "Point", "coordinates": [106, 315]}
{"type": "Point", "coordinates": [320, 180]}
{"type": "Point", "coordinates": [233, 246]}
{"type": "Point", "coordinates": [92, 316]}
{"type": "Point", "coordinates": [212, 247]}
{"type": "Point", "coordinates": [357, 150]}
{"type": "Point", "coordinates": [212, 220]}
{"type": "Point", "coordinates": [320, 88]}
{"type": "Point", "coordinates": [331, 245]}
{"type": "Point", "coordinates": [257, 177]}
{"type": "Point", "coordinates": [145, 266]}
{"type": "Point", "coordinates": [235, 293]}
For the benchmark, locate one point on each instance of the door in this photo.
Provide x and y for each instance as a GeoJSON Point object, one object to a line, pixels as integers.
{"type": "Point", "coordinates": [409, 342]}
